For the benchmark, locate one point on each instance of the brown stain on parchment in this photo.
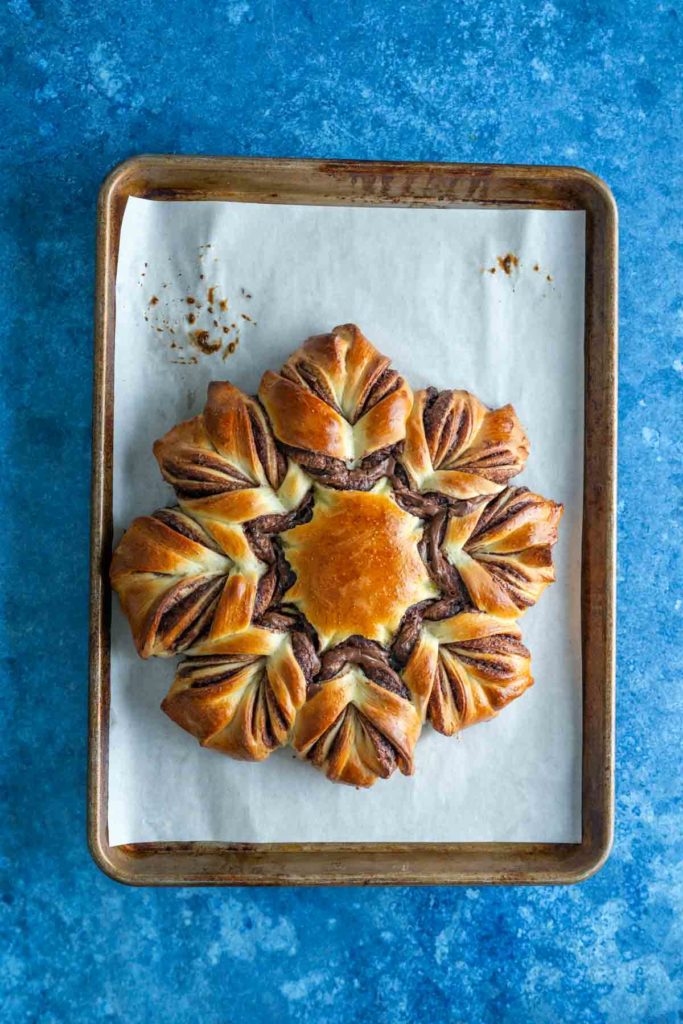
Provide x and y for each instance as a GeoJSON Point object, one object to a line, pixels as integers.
{"type": "Point", "coordinates": [204, 328]}
{"type": "Point", "coordinates": [508, 262]}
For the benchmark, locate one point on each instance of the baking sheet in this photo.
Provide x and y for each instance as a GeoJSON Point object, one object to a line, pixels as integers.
{"type": "Point", "coordinates": [434, 290]}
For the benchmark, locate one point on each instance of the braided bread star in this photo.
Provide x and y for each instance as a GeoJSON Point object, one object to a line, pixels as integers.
{"type": "Point", "coordinates": [345, 563]}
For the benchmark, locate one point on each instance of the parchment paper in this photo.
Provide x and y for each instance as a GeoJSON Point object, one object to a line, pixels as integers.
{"type": "Point", "coordinates": [419, 283]}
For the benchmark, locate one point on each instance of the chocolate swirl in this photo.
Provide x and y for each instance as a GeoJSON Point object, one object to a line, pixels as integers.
{"type": "Point", "coordinates": [338, 409]}
{"type": "Point", "coordinates": [358, 723]}
{"type": "Point", "coordinates": [229, 447]}
{"type": "Point", "coordinates": [369, 656]}
{"type": "Point", "coordinates": [169, 573]}
{"type": "Point", "coordinates": [243, 706]}
{"type": "Point", "coordinates": [336, 474]}
{"type": "Point", "coordinates": [500, 555]}
{"type": "Point", "coordinates": [463, 669]}
{"type": "Point", "coordinates": [457, 447]}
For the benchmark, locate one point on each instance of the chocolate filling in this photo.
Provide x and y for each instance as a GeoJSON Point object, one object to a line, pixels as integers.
{"type": "Point", "coordinates": [188, 492]}
{"type": "Point", "coordinates": [501, 643]}
{"type": "Point", "coordinates": [276, 723]}
{"type": "Point", "coordinates": [386, 755]}
{"type": "Point", "coordinates": [507, 574]}
{"type": "Point", "coordinates": [223, 673]}
{"type": "Point", "coordinates": [309, 375]}
{"type": "Point", "coordinates": [497, 669]}
{"type": "Point", "coordinates": [274, 583]}
{"type": "Point", "coordinates": [186, 527]}
{"type": "Point", "coordinates": [198, 596]}
{"type": "Point", "coordinates": [335, 473]}
{"type": "Point", "coordinates": [193, 662]}
{"type": "Point", "coordinates": [316, 753]}
{"type": "Point", "coordinates": [458, 691]}
{"type": "Point", "coordinates": [305, 654]}
{"type": "Point", "coordinates": [276, 620]}
{"type": "Point", "coordinates": [370, 656]}
{"type": "Point", "coordinates": [424, 506]}
{"type": "Point", "coordinates": [447, 690]}
{"type": "Point", "coordinates": [453, 685]}
{"type": "Point", "coordinates": [427, 504]}
{"type": "Point", "coordinates": [261, 544]}
{"type": "Point", "coordinates": [521, 600]}
{"type": "Point", "coordinates": [260, 717]}
{"type": "Point", "coordinates": [198, 630]}
{"type": "Point", "coordinates": [265, 591]}
{"type": "Point", "coordinates": [511, 580]}
{"type": "Point", "coordinates": [408, 633]}
{"type": "Point", "coordinates": [445, 575]}
{"type": "Point", "coordinates": [274, 466]}
{"type": "Point", "coordinates": [279, 577]}
{"type": "Point", "coordinates": [501, 509]}
{"type": "Point", "coordinates": [386, 384]}
{"type": "Point", "coordinates": [203, 459]}
{"type": "Point", "coordinates": [203, 475]}
{"type": "Point", "coordinates": [411, 624]}
{"type": "Point", "coordinates": [444, 608]}
{"type": "Point", "coordinates": [498, 511]}
{"type": "Point", "coordinates": [280, 521]}
{"type": "Point", "coordinates": [444, 436]}
{"type": "Point", "coordinates": [312, 689]}
{"type": "Point", "coordinates": [400, 480]}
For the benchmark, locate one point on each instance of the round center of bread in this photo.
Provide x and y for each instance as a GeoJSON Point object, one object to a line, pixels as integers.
{"type": "Point", "coordinates": [357, 565]}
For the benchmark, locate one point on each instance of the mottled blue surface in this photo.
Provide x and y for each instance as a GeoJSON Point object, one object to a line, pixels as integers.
{"type": "Point", "coordinates": [86, 84]}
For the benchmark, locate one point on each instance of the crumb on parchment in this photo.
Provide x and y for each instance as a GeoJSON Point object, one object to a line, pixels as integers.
{"type": "Point", "coordinates": [203, 331]}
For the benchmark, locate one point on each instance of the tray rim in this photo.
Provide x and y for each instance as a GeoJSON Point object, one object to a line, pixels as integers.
{"type": "Point", "coordinates": [348, 182]}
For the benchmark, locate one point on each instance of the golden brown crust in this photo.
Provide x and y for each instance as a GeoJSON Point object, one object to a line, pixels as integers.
{"type": "Point", "coordinates": [357, 565]}
{"type": "Point", "coordinates": [240, 431]}
{"type": "Point", "coordinates": [343, 363]}
{"type": "Point", "coordinates": [336, 397]}
{"type": "Point", "coordinates": [355, 730]}
{"type": "Point", "coordinates": [176, 586]}
{"type": "Point", "coordinates": [458, 447]}
{"type": "Point", "coordinates": [241, 706]}
{"type": "Point", "coordinates": [465, 668]}
{"type": "Point", "coordinates": [302, 420]}
{"type": "Point", "coordinates": [502, 551]}
{"type": "Point", "coordinates": [224, 464]}
{"type": "Point", "coordinates": [188, 578]}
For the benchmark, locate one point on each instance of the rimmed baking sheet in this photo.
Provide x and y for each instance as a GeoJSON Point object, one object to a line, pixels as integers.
{"type": "Point", "coordinates": [491, 300]}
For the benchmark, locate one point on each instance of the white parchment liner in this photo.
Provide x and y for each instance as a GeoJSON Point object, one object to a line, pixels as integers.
{"type": "Point", "coordinates": [418, 283]}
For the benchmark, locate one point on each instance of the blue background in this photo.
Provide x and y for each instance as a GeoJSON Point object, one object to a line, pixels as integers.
{"type": "Point", "coordinates": [86, 84]}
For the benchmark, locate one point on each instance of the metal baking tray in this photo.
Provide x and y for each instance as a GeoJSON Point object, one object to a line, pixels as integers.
{"type": "Point", "coordinates": [342, 183]}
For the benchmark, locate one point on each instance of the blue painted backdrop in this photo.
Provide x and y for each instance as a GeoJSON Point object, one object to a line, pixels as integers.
{"type": "Point", "coordinates": [86, 84]}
